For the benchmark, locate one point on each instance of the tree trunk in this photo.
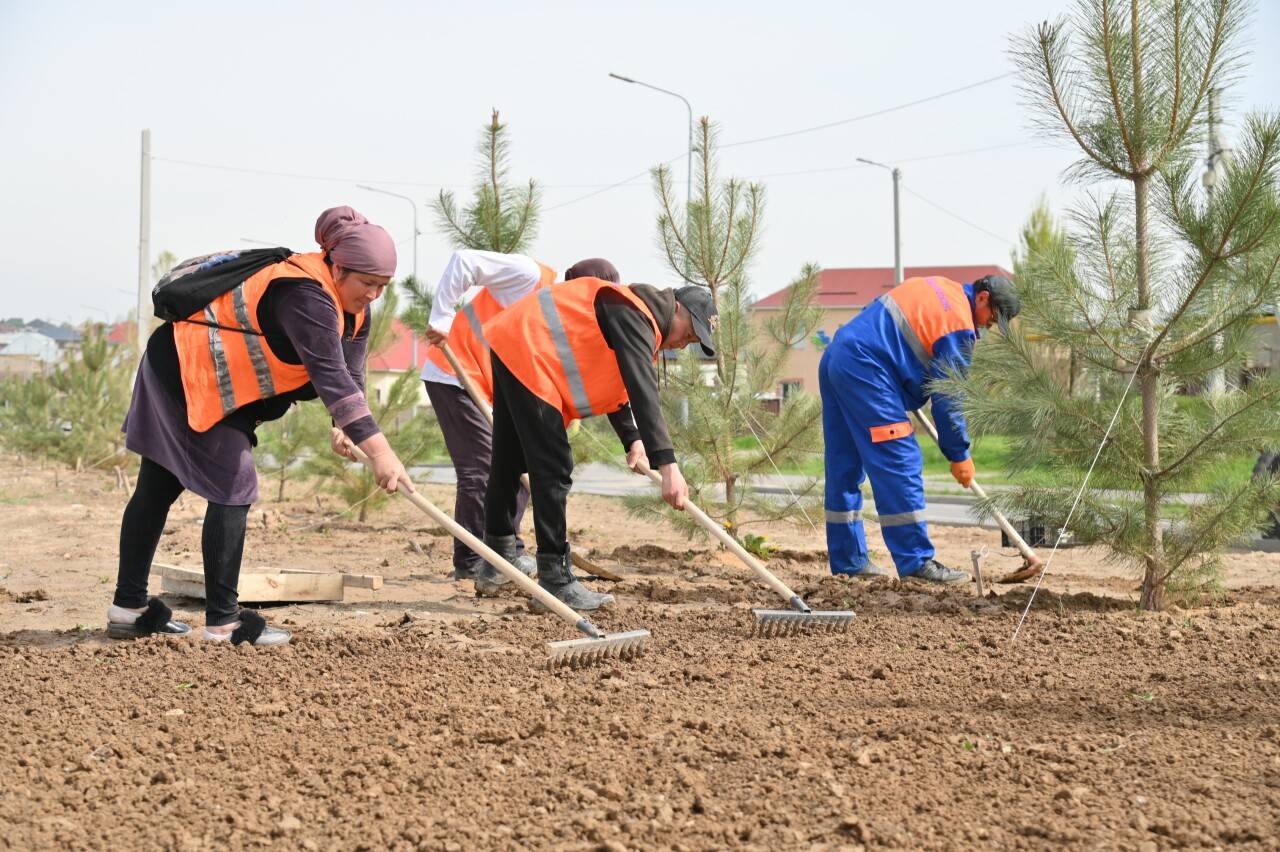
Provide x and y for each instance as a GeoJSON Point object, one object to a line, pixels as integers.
{"type": "Point", "coordinates": [1153, 597]}
{"type": "Point", "coordinates": [280, 492]}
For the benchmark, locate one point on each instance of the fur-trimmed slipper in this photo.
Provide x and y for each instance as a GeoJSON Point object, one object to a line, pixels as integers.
{"type": "Point", "coordinates": [252, 629]}
{"type": "Point", "coordinates": [155, 620]}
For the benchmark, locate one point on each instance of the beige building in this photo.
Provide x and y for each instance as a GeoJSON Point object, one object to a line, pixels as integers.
{"type": "Point", "coordinates": [842, 293]}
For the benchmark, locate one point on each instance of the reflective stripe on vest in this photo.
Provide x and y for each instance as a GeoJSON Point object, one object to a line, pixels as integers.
{"type": "Point", "coordinates": [477, 327]}
{"type": "Point", "coordinates": [553, 345]}
{"type": "Point", "coordinates": [904, 328]}
{"type": "Point", "coordinates": [224, 361]}
{"type": "Point", "coordinates": [261, 370]}
{"type": "Point", "coordinates": [927, 309]}
{"type": "Point", "coordinates": [226, 391]}
{"type": "Point", "coordinates": [568, 362]}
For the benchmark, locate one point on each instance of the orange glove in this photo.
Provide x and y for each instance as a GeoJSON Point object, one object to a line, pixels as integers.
{"type": "Point", "coordinates": [963, 471]}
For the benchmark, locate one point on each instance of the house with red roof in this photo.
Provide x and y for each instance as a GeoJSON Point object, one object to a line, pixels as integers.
{"type": "Point", "coordinates": [389, 364]}
{"type": "Point", "coordinates": [842, 293]}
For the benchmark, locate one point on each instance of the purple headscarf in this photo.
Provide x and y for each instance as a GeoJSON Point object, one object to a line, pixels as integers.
{"type": "Point", "coordinates": [352, 242]}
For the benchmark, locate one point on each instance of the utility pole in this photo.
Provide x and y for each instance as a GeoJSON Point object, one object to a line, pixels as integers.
{"type": "Point", "coordinates": [413, 337]}
{"type": "Point", "coordinates": [144, 247]}
{"type": "Point", "coordinates": [897, 216]}
{"type": "Point", "coordinates": [897, 229]}
{"type": "Point", "coordinates": [1218, 155]}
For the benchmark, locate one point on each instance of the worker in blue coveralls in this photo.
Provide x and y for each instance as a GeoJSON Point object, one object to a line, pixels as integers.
{"type": "Point", "coordinates": [877, 368]}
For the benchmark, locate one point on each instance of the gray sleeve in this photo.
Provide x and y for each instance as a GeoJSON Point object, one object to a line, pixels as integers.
{"type": "Point", "coordinates": [335, 364]}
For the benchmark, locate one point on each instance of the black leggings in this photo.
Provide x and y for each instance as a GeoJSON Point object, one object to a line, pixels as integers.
{"type": "Point", "coordinates": [222, 542]}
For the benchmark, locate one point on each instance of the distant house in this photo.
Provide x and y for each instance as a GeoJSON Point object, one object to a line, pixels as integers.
{"type": "Point", "coordinates": [392, 362]}
{"type": "Point", "coordinates": [842, 294]}
{"type": "Point", "coordinates": [27, 353]}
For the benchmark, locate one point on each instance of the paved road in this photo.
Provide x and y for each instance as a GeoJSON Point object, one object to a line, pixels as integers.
{"type": "Point", "coordinates": [595, 478]}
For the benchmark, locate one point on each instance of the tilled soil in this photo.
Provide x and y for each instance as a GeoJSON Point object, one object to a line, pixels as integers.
{"type": "Point", "coordinates": [420, 717]}
{"type": "Point", "coordinates": [917, 729]}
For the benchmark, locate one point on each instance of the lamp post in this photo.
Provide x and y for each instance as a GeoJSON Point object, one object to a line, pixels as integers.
{"type": "Point", "coordinates": [897, 218]}
{"type": "Point", "coordinates": [688, 183]}
{"type": "Point", "coordinates": [413, 338]}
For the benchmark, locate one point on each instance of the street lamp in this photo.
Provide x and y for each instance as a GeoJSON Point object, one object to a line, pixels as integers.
{"type": "Point", "coordinates": [688, 184]}
{"type": "Point", "coordinates": [897, 220]}
{"type": "Point", "coordinates": [413, 338]}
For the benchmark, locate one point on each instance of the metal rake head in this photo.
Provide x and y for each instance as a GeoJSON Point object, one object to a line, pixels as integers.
{"type": "Point", "coordinates": [589, 651]}
{"type": "Point", "coordinates": [787, 622]}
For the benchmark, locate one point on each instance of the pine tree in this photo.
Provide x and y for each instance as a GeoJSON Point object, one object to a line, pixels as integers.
{"type": "Point", "coordinates": [723, 435]}
{"type": "Point", "coordinates": [1042, 236]}
{"type": "Point", "coordinates": [415, 438]}
{"type": "Point", "coordinates": [285, 444]}
{"type": "Point", "coordinates": [1158, 271]}
{"type": "Point", "coordinates": [502, 217]}
{"type": "Point", "coordinates": [74, 414]}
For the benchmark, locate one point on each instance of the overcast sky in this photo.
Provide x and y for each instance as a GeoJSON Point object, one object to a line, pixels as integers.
{"type": "Point", "coordinates": [397, 92]}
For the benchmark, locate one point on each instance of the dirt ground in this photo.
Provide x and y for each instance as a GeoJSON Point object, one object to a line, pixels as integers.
{"type": "Point", "coordinates": [420, 717]}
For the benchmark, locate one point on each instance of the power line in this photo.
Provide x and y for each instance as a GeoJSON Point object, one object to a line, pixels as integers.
{"type": "Point", "coordinates": [867, 115]}
{"type": "Point", "coordinates": [956, 216]}
{"type": "Point", "coordinates": [334, 179]}
{"type": "Point", "coordinates": [813, 129]}
{"type": "Point", "coordinates": [852, 166]}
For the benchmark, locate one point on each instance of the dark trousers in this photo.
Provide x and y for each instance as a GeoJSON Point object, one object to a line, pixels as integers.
{"type": "Point", "coordinates": [528, 436]}
{"type": "Point", "coordinates": [469, 440]}
{"type": "Point", "coordinates": [222, 543]}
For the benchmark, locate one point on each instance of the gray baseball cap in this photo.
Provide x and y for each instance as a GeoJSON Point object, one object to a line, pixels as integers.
{"type": "Point", "coordinates": [698, 302]}
{"type": "Point", "coordinates": [1003, 299]}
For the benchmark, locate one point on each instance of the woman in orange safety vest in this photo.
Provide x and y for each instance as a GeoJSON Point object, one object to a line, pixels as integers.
{"type": "Point", "coordinates": [292, 331]}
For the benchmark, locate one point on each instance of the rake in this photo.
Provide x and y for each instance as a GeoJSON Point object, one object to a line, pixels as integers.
{"type": "Point", "coordinates": [1032, 564]}
{"type": "Point", "coordinates": [579, 561]}
{"type": "Point", "coordinates": [597, 645]}
{"type": "Point", "coordinates": [771, 622]}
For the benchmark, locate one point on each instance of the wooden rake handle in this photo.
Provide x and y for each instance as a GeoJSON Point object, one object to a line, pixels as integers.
{"type": "Point", "coordinates": [489, 555]}
{"type": "Point", "coordinates": [1019, 542]}
{"type": "Point", "coordinates": [578, 559]}
{"type": "Point", "coordinates": [716, 530]}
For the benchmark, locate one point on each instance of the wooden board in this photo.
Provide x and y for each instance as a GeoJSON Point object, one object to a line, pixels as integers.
{"type": "Point", "coordinates": [266, 585]}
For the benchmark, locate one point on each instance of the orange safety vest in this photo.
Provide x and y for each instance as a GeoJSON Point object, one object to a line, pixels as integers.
{"type": "Point", "coordinates": [224, 369]}
{"type": "Point", "coordinates": [926, 310]}
{"type": "Point", "coordinates": [467, 340]}
{"type": "Point", "coordinates": [551, 342]}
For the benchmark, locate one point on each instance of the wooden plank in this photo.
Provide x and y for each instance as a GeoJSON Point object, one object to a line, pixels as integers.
{"type": "Point", "coordinates": [257, 587]}
{"type": "Point", "coordinates": [362, 581]}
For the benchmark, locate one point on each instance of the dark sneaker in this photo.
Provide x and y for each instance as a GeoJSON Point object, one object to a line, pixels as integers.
{"type": "Point", "coordinates": [468, 573]}
{"type": "Point", "coordinates": [155, 620]}
{"type": "Point", "coordinates": [574, 595]}
{"type": "Point", "coordinates": [935, 572]}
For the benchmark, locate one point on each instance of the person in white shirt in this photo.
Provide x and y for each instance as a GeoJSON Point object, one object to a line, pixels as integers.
{"type": "Point", "coordinates": [476, 285]}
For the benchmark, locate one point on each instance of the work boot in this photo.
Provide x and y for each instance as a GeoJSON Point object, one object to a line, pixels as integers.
{"type": "Point", "coordinates": [526, 565]}
{"type": "Point", "coordinates": [467, 572]}
{"type": "Point", "coordinates": [556, 576]}
{"type": "Point", "coordinates": [871, 570]}
{"type": "Point", "coordinates": [934, 571]}
{"type": "Point", "coordinates": [489, 581]}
